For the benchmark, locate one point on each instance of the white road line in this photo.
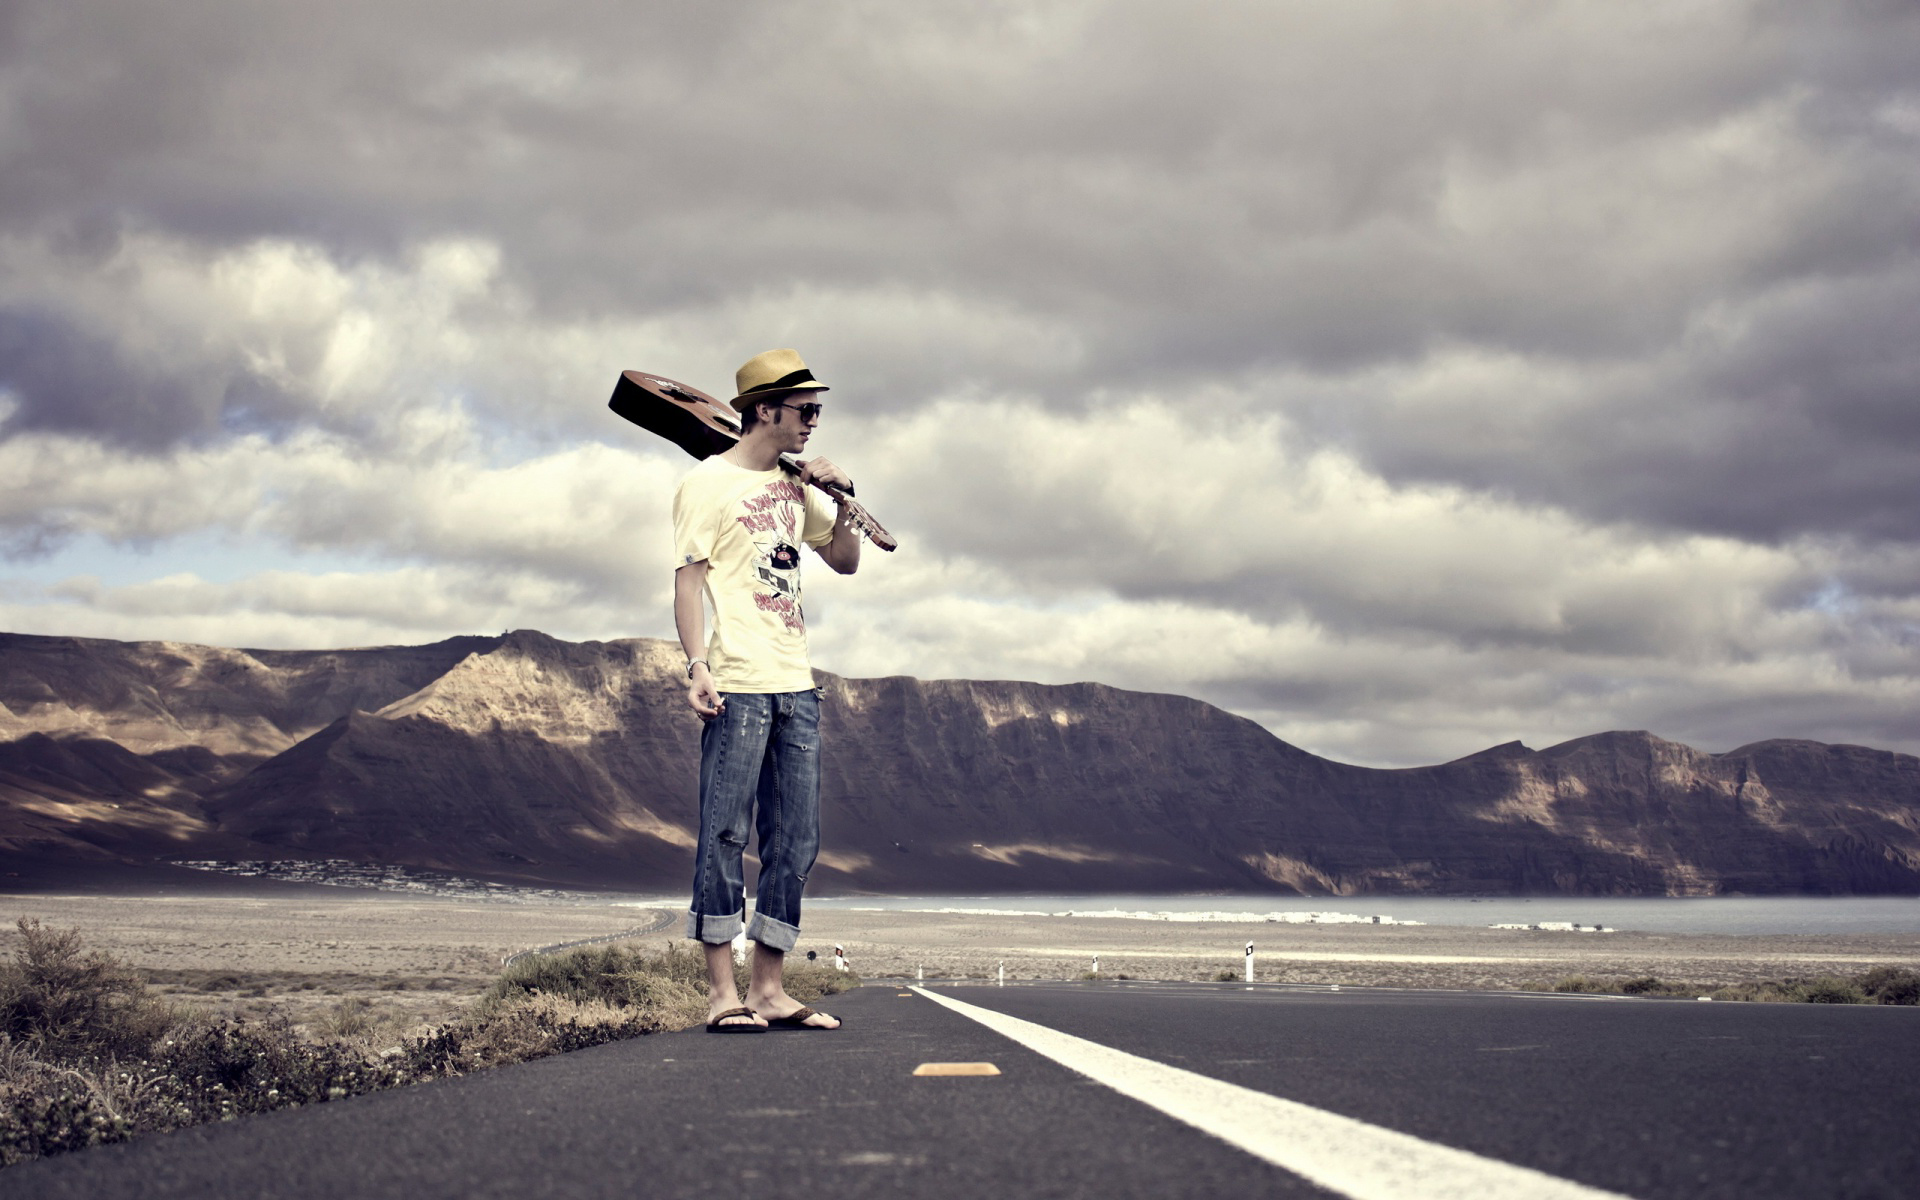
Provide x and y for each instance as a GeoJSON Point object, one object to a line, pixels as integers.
{"type": "Point", "coordinates": [1351, 1157]}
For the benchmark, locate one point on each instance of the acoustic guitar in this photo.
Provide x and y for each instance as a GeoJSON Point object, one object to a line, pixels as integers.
{"type": "Point", "coordinates": [704, 427]}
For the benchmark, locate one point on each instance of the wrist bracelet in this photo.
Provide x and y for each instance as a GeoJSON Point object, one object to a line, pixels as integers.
{"type": "Point", "coordinates": [698, 662]}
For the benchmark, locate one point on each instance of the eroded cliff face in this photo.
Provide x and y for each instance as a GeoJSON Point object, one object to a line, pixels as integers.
{"type": "Point", "coordinates": [529, 758]}
{"type": "Point", "coordinates": [153, 696]}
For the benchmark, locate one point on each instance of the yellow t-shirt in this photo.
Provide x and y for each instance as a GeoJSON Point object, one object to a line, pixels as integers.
{"type": "Point", "coordinates": [748, 526]}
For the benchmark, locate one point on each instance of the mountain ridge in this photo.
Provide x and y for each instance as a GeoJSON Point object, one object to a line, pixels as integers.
{"type": "Point", "coordinates": [527, 757]}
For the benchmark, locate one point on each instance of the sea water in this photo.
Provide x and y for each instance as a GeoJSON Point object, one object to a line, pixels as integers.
{"type": "Point", "coordinates": [1650, 914]}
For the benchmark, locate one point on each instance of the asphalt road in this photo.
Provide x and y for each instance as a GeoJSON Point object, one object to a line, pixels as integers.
{"type": "Point", "coordinates": [1656, 1099]}
{"type": "Point", "coordinates": [1646, 1098]}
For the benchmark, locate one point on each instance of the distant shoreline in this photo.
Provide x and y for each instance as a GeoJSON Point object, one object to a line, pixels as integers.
{"type": "Point", "coordinates": [1735, 915]}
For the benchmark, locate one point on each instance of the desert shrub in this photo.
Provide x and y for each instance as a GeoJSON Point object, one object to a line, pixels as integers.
{"type": "Point", "coordinates": [1583, 985]}
{"type": "Point", "coordinates": [808, 982]}
{"type": "Point", "coordinates": [541, 1025]}
{"type": "Point", "coordinates": [603, 973]}
{"type": "Point", "coordinates": [61, 1115]}
{"type": "Point", "coordinates": [611, 975]}
{"type": "Point", "coordinates": [67, 1002]}
{"type": "Point", "coordinates": [226, 1068]}
{"type": "Point", "coordinates": [207, 1071]}
{"type": "Point", "coordinates": [1890, 985]}
{"type": "Point", "coordinates": [1225, 976]}
{"type": "Point", "coordinates": [47, 1108]}
{"type": "Point", "coordinates": [586, 973]}
{"type": "Point", "coordinates": [349, 1018]}
{"type": "Point", "coordinates": [1828, 990]}
{"type": "Point", "coordinates": [1650, 985]}
{"type": "Point", "coordinates": [1825, 990]}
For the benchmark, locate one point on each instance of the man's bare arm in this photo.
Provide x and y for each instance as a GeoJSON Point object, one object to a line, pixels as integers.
{"type": "Point", "coordinates": [843, 552]}
{"type": "Point", "coordinates": [690, 622]}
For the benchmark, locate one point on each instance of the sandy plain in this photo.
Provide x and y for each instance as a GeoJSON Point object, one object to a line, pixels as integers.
{"type": "Point", "coordinates": [416, 959]}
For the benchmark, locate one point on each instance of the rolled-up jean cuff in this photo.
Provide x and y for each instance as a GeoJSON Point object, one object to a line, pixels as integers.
{"type": "Point", "coordinates": [713, 930]}
{"type": "Point", "coordinates": [773, 934]}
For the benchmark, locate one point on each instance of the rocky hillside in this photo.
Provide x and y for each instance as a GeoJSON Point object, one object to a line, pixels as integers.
{"type": "Point", "coordinates": [527, 758]}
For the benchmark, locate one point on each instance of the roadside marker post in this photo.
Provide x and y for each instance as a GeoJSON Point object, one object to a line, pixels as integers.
{"type": "Point", "coordinates": [1096, 964]}
{"type": "Point", "coordinates": [1249, 962]}
{"type": "Point", "coordinates": [1003, 973]}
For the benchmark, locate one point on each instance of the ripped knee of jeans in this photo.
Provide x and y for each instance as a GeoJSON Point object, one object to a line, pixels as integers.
{"type": "Point", "coordinates": [729, 838]}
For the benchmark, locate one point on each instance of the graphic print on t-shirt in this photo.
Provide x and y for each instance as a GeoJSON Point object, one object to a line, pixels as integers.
{"type": "Point", "coordinates": [772, 520]}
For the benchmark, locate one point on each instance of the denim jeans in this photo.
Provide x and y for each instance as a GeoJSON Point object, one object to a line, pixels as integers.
{"type": "Point", "coordinates": [762, 752]}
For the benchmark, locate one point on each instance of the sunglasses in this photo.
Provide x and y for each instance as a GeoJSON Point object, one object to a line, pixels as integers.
{"type": "Point", "coordinates": [808, 411]}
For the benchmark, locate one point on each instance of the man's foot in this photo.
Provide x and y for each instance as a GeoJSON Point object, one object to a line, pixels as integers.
{"type": "Point", "coordinates": [784, 1012]}
{"type": "Point", "coordinates": [804, 1018]}
{"type": "Point", "coordinates": [734, 1019]}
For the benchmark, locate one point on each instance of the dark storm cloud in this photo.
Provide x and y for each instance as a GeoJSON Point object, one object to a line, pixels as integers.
{"type": "Point", "coordinates": [1186, 195]}
{"type": "Point", "coordinates": [1806, 421]}
{"type": "Point", "coordinates": [63, 379]}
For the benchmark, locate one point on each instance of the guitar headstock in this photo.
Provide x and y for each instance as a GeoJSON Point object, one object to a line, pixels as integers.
{"type": "Point", "coordinates": [862, 520]}
{"type": "Point", "coordinates": [857, 515]}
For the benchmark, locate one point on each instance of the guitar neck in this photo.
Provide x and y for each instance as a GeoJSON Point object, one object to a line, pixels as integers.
{"type": "Point", "coordinates": [857, 514]}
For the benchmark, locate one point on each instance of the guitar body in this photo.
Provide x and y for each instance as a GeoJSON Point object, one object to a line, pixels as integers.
{"type": "Point", "coordinates": [687, 417]}
{"type": "Point", "coordinates": [704, 427]}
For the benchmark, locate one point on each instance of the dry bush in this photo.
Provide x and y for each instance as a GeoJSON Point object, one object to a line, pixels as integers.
{"type": "Point", "coordinates": [1891, 985]}
{"type": "Point", "coordinates": [66, 1002]}
{"type": "Point", "coordinates": [351, 1017]}
{"type": "Point", "coordinates": [1882, 985]}
{"type": "Point", "coordinates": [1826, 989]}
{"type": "Point", "coordinates": [534, 1027]}
{"type": "Point", "coordinates": [640, 978]}
{"type": "Point", "coordinates": [808, 982]}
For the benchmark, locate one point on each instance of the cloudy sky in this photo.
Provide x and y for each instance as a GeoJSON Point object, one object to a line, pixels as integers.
{"type": "Point", "coordinates": [1408, 377]}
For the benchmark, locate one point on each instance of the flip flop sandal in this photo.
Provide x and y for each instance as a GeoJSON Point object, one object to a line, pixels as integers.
{"type": "Point", "coordinates": [747, 1026]}
{"type": "Point", "coordinates": [797, 1019]}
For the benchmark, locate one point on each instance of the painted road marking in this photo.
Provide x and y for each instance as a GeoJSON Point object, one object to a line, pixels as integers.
{"type": "Point", "coordinates": [1339, 1153]}
{"type": "Point", "coordinates": [956, 1069]}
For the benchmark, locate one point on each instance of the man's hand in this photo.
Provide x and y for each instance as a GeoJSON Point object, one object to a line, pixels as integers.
{"type": "Point", "coordinates": [689, 619]}
{"type": "Point", "coordinates": [819, 470]}
{"type": "Point", "coordinates": [702, 696]}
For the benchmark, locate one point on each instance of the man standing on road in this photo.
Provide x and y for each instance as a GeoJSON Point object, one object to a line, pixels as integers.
{"type": "Point", "coordinates": [739, 520]}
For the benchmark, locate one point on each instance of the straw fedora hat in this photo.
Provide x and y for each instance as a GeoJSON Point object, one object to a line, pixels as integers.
{"type": "Point", "coordinates": [766, 375]}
